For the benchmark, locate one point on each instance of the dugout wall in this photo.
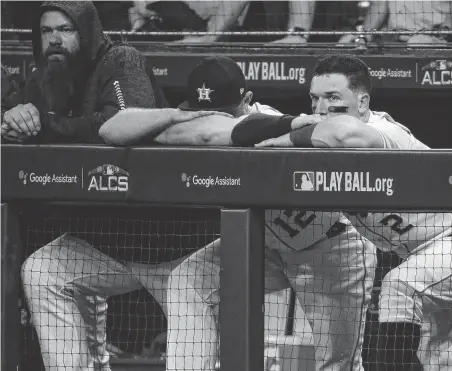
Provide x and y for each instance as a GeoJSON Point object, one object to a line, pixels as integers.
{"type": "Point", "coordinates": [71, 184]}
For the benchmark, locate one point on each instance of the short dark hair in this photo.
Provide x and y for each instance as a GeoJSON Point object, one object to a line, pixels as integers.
{"type": "Point", "coordinates": [353, 68]}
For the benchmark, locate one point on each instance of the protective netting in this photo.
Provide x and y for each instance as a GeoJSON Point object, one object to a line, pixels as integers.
{"type": "Point", "coordinates": [336, 262]}
{"type": "Point", "coordinates": [143, 241]}
{"type": "Point", "coordinates": [158, 269]}
{"type": "Point", "coordinates": [234, 21]}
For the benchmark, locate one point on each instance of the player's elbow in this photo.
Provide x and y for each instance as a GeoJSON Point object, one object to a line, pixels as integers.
{"type": "Point", "coordinates": [343, 132]}
{"type": "Point", "coordinates": [349, 135]}
{"type": "Point", "coordinates": [356, 141]}
{"type": "Point", "coordinates": [217, 139]}
{"type": "Point", "coordinates": [112, 137]}
{"type": "Point", "coordinates": [333, 134]}
{"type": "Point", "coordinates": [106, 135]}
{"type": "Point", "coordinates": [356, 134]}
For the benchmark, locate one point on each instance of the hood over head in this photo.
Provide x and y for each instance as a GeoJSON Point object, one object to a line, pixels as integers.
{"type": "Point", "coordinates": [93, 42]}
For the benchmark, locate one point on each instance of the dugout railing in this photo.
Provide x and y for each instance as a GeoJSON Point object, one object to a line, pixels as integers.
{"type": "Point", "coordinates": [239, 182]}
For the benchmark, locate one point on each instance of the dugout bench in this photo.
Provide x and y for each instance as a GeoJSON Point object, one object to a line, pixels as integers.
{"type": "Point", "coordinates": [242, 182]}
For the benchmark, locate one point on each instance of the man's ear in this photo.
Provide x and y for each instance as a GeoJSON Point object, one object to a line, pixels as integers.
{"type": "Point", "coordinates": [363, 104]}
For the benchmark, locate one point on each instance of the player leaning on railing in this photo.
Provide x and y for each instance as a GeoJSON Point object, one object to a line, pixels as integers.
{"type": "Point", "coordinates": [320, 254]}
{"type": "Point", "coordinates": [225, 90]}
{"type": "Point", "coordinates": [419, 290]}
{"type": "Point", "coordinates": [421, 285]}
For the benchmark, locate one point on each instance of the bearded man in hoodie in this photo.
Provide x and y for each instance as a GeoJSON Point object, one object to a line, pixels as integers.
{"type": "Point", "coordinates": [81, 79]}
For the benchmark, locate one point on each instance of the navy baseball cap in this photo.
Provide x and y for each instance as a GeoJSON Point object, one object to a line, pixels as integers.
{"type": "Point", "coordinates": [215, 84]}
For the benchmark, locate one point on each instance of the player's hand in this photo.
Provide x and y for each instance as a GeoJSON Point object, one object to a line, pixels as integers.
{"type": "Point", "coordinates": [12, 135]}
{"type": "Point", "coordinates": [282, 141]}
{"type": "Point", "coordinates": [113, 350]}
{"type": "Point", "coordinates": [305, 120]}
{"type": "Point", "coordinates": [23, 119]}
{"type": "Point", "coordinates": [158, 345]}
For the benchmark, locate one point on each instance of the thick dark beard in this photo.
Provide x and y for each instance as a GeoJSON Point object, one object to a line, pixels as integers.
{"type": "Point", "coordinates": [58, 84]}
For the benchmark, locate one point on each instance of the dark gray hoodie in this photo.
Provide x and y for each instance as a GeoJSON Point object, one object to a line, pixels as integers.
{"type": "Point", "coordinates": [113, 76]}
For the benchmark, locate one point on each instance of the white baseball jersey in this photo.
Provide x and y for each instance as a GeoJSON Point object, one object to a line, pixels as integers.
{"type": "Point", "coordinates": [262, 108]}
{"type": "Point", "coordinates": [403, 233]}
{"type": "Point", "coordinates": [296, 229]}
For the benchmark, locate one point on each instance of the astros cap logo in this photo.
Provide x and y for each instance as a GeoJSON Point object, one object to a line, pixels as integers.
{"type": "Point", "coordinates": [204, 93]}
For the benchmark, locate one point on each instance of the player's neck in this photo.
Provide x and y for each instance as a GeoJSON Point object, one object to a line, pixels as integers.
{"type": "Point", "coordinates": [366, 116]}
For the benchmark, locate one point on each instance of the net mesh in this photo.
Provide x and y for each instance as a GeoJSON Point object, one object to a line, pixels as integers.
{"type": "Point", "coordinates": [328, 286]}
{"type": "Point", "coordinates": [235, 21]}
{"type": "Point", "coordinates": [132, 238]}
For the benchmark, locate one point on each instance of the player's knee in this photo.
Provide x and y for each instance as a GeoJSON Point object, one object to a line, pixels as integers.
{"type": "Point", "coordinates": [395, 282]}
{"type": "Point", "coordinates": [180, 291]}
{"type": "Point", "coordinates": [40, 266]}
{"type": "Point", "coordinates": [27, 273]}
{"type": "Point", "coordinates": [33, 266]}
{"type": "Point", "coordinates": [32, 274]}
{"type": "Point", "coordinates": [189, 283]}
{"type": "Point", "coordinates": [398, 300]}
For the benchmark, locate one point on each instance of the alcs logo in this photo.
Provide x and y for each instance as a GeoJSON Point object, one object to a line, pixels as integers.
{"type": "Point", "coordinates": [437, 72]}
{"type": "Point", "coordinates": [108, 178]}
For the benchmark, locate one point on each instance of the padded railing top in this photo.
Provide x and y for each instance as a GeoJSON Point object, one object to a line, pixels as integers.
{"type": "Point", "coordinates": [230, 177]}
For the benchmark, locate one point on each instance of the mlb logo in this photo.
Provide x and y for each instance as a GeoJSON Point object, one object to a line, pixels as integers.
{"type": "Point", "coordinates": [304, 181]}
{"type": "Point", "coordinates": [110, 170]}
{"type": "Point", "coordinates": [441, 65]}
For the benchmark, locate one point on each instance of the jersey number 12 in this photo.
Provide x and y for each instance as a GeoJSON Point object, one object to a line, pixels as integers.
{"type": "Point", "coordinates": [300, 220]}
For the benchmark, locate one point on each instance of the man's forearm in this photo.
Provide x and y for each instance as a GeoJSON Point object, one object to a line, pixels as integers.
{"type": "Point", "coordinates": [258, 127]}
{"type": "Point", "coordinates": [134, 124]}
{"type": "Point", "coordinates": [203, 131]}
{"type": "Point", "coordinates": [345, 132]}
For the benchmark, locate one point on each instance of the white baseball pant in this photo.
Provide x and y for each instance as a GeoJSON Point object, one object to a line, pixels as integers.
{"type": "Point", "coordinates": [333, 280]}
{"type": "Point", "coordinates": [66, 284]}
{"type": "Point", "coordinates": [420, 291]}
